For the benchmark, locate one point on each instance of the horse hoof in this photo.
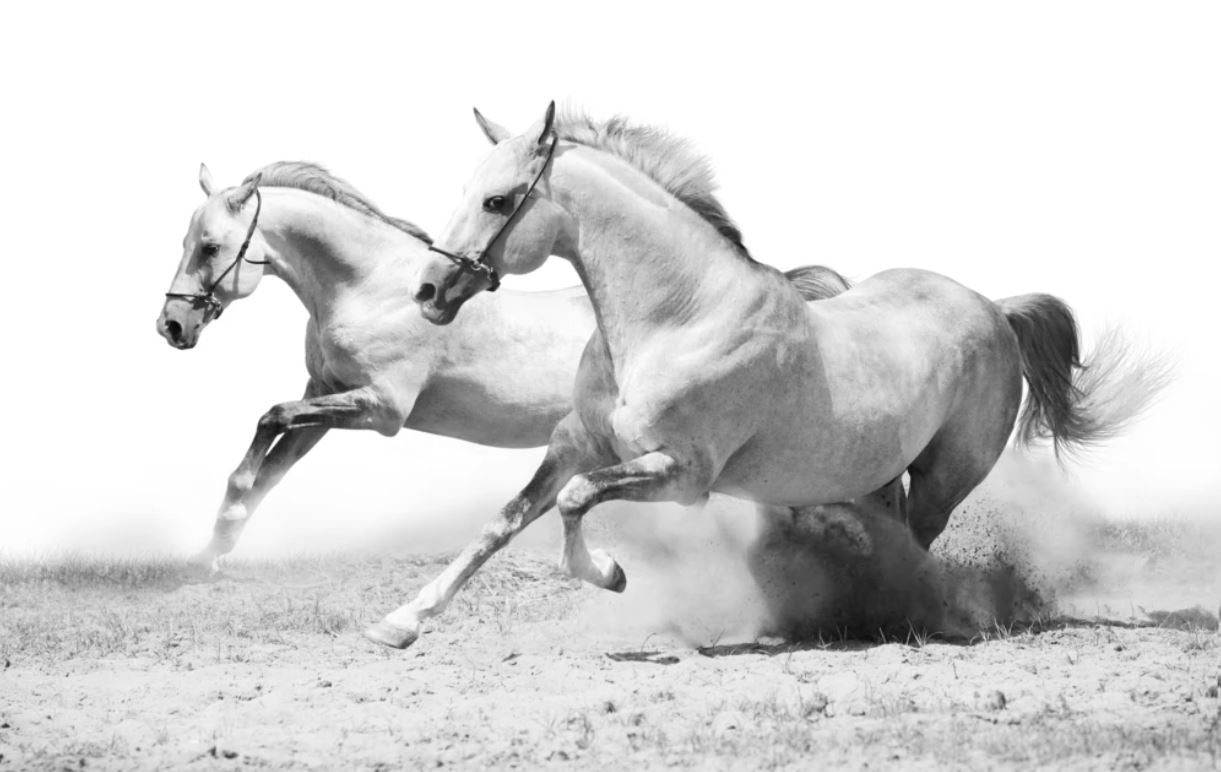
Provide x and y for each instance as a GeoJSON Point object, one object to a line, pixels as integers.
{"type": "Point", "coordinates": [391, 635]}
{"type": "Point", "coordinates": [618, 580]}
{"type": "Point", "coordinates": [202, 572]}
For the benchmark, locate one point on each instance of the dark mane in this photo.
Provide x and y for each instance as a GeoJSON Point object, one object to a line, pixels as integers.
{"type": "Point", "coordinates": [668, 160]}
{"type": "Point", "coordinates": [313, 178]}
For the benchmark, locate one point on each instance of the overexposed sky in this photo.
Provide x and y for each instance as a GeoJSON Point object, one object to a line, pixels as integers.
{"type": "Point", "coordinates": [1067, 148]}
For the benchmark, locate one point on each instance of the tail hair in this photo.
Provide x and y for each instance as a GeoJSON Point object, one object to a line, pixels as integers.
{"type": "Point", "coordinates": [1120, 381]}
{"type": "Point", "coordinates": [1078, 403]}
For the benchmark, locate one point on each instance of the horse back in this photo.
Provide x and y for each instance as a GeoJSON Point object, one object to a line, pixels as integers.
{"type": "Point", "coordinates": [909, 341]}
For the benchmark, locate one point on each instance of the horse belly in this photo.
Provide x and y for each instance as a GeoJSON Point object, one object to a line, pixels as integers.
{"type": "Point", "coordinates": [855, 426]}
{"type": "Point", "coordinates": [501, 418]}
{"type": "Point", "coordinates": [829, 463]}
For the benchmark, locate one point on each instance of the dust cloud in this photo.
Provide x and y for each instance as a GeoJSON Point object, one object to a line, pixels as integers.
{"type": "Point", "coordinates": [1025, 548]}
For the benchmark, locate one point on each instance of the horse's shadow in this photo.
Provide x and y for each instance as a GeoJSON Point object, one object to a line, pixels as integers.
{"type": "Point", "coordinates": [1190, 620]}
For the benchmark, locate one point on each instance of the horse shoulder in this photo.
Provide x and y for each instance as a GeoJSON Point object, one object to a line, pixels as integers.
{"type": "Point", "coordinates": [315, 360]}
{"type": "Point", "coordinates": [364, 339]}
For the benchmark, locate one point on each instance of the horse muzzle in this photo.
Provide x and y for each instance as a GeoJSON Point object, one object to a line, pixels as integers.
{"type": "Point", "coordinates": [442, 289]}
{"type": "Point", "coordinates": [181, 322]}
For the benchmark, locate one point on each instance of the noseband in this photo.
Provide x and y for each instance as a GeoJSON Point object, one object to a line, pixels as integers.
{"type": "Point", "coordinates": [212, 306]}
{"type": "Point", "coordinates": [480, 265]}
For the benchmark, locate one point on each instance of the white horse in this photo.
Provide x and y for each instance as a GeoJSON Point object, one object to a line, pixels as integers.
{"type": "Point", "coordinates": [503, 377]}
{"type": "Point", "coordinates": [709, 373]}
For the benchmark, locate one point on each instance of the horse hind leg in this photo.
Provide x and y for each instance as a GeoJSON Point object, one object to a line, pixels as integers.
{"type": "Point", "coordinates": [971, 439]}
{"type": "Point", "coordinates": [655, 476]}
{"type": "Point", "coordinates": [951, 466]}
{"type": "Point", "coordinates": [891, 499]}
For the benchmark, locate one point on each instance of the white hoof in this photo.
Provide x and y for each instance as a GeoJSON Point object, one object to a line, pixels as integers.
{"type": "Point", "coordinates": [205, 566]}
{"type": "Point", "coordinates": [610, 575]}
{"type": "Point", "coordinates": [389, 634]}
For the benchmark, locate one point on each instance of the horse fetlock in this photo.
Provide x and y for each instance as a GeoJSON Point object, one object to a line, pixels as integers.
{"type": "Point", "coordinates": [232, 515]}
{"type": "Point", "coordinates": [228, 526]}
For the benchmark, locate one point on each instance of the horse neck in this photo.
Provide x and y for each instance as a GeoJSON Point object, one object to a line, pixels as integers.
{"type": "Point", "coordinates": [323, 249]}
{"type": "Point", "coordinates": [645, 258]}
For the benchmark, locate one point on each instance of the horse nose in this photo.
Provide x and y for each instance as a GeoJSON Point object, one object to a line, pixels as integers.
{"type": "Point", "coordinates": [171, 330]}
{"type": "Point", "coordinates": [426, 292]}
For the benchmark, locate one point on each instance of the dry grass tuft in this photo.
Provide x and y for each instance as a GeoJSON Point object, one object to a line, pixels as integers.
{"type": "Point", "coordinates": [93, 607]}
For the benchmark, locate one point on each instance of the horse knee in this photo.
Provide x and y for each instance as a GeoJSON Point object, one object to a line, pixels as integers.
{"type": "Point", "coordinates": [577, 496]}
{"type": "Point", "coordinates": [240, 483]}
{"type": "Point", "coordinates": [274, 421]}
{"type": "Point", "coordinates": [501, 530]}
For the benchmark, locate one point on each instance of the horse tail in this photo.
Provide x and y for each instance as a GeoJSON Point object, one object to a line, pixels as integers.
{"type": "Point", "coordinates": [1073, 403]}
{"type": "Point", "coordinates": [817, 282]}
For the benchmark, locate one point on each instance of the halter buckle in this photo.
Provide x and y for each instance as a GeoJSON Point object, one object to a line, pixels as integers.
{"type": "Point", "coordinates": [476, 266]}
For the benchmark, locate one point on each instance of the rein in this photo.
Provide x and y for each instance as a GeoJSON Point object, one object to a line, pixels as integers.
{"type": "Point", "coordinates": [212, 306]}
{"type": "Point", "coordinates": [480, 265]}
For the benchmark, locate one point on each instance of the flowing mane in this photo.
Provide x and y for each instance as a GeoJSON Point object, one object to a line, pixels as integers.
{"type": "Point", "coordinates": [313, 178]}
{"type": "Point", "coordinates": [668, 160]}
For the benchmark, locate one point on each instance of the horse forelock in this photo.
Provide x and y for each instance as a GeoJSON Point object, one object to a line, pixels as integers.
{"type": "Point", "coordinates": [668, 160]}
{"type": "Point", "coordinates": [315, 178]}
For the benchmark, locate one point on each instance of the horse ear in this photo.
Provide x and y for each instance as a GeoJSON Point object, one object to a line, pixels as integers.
{"type": "Point", "coordinates": [492, 130]}
{"type": "Point", "coordinates": [541, 130]}
{"type": "Point", "coordinates": [548, 124]}
{"type": "Point", "coordinates": [205, 179]}
{"type": "Point", "coordinates": [244, 191]}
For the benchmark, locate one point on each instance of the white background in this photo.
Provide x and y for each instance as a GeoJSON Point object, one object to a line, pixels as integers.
{"type": "Point", "coordinates": [1072, 148]}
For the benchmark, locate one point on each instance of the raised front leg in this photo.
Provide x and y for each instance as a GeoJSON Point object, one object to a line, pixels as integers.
{"type": "Point", "coordinates": [656, 476]}
{"type": "Point", "coordinates": [299, 425]}
{"type": "Point", "coordinates": [570, 451]}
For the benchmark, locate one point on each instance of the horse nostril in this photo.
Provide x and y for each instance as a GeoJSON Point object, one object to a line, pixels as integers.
{"type": "Point", "coordinates": [174, 329]}
{"type": "Point", "coordinates": [426, 292]}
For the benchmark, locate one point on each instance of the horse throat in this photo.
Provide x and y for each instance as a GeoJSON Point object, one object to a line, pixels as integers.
{"type": "Point", "coordinates": [321, 249]}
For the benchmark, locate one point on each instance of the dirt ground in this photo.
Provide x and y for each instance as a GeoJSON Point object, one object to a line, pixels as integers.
{"type": "Point", "coordinates": [1035, 634]}
{"type": "Point", "coordinates": [121, 665]}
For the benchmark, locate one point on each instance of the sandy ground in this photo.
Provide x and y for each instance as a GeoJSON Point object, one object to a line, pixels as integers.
{"type": "Point", "coordinates": [269, 671]}
{"type": "Point", "coordinates": [1031, 637]}
{"type": "Point", "coordinates": [542, 696]}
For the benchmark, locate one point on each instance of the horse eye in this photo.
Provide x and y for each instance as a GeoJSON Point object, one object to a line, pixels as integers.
{"type": "Point", "coordinates": [494, 204]}
{"type": "Point", "coordinates": [210, 249]}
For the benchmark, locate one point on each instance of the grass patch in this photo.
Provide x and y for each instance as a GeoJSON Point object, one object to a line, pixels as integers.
{"type": "Point", "coordinates": [90, 607]}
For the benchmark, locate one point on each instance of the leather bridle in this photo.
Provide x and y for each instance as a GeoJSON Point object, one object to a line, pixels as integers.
{"type": "Point", "coordinates": [480, 265]}
{"type": "Point", "coordinates": [212, 305]}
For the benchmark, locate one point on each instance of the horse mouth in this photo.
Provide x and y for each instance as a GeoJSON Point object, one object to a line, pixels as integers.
{"type": "Point", "coordinates": [439, 315]}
